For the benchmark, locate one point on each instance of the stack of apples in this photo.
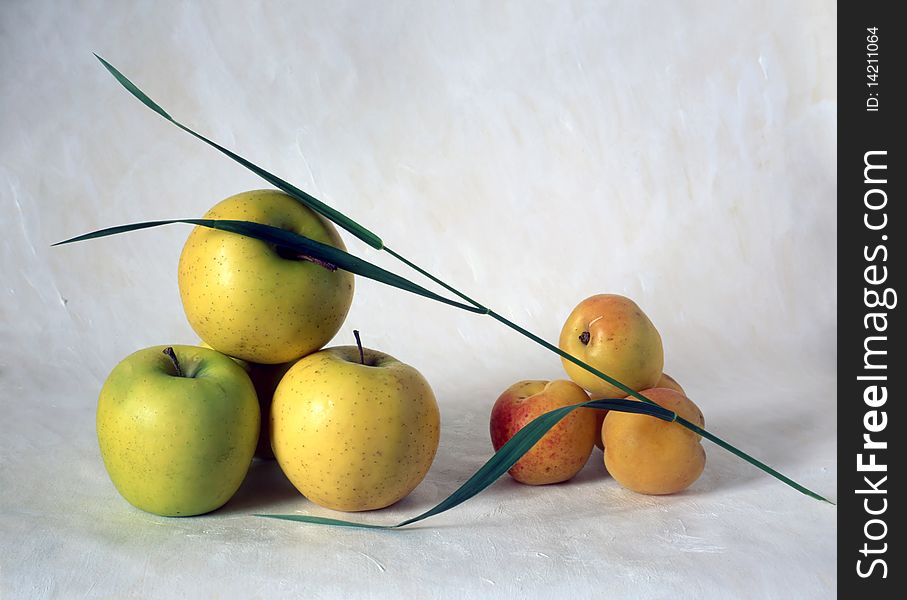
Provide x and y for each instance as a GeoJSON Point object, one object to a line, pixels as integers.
{"type": "Point", "coordinates": [178, 426]}
{"type": "Point", "coordinates": [612, 334]}
{"type": "Point", "coordinates": [352, 428]}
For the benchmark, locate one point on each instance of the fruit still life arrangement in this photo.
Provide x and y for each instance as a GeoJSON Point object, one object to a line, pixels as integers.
{"type": "Point", "coordinates": [266, 283]}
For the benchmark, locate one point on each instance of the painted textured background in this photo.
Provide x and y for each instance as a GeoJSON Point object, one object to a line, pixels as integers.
{"type": "Point", "coordinates": [530, 153]}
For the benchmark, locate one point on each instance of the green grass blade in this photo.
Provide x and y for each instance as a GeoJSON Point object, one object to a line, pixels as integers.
{"type": "Point", "coordinates": [753, 461]}
{"type": "Point", "coordinates": [545, 344]}
{"type": "Point", "coordinates": [325, 521]}
{"type": "Point", "coordinates": [291, 241]}
{"type": "Point", "coordinates": [604, 376]}
{"type": "Point", "coordinates": [135, 91]}
{"type": "Point", "coordinates": [630, 392]}
{"type": "Point", "coordinates": [692, 426]}
{"type": "Point", "coordinates": [425, 273]}
{"type": "Point", "coordinates": [317, 205]}
{"type": "Point", "coordinates": [373, 240]}
{"type": "Point", "coordinates": [501, 461]}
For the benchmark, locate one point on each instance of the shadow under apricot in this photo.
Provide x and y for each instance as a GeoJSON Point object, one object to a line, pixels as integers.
{"type": "Point", "coordinates": [780, 439]}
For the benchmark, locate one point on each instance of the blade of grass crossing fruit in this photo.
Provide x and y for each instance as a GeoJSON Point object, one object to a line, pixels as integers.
{"type": "Point", "coordinates": [691, 426]}
{"type": "Point", "coordinates": [538, 427]}
{"type": "Point", "coordinates": [292, 241]}
{"type": "Point", "coordinates": [500, 462]}
{"type": "Point", "coordinates": [630, 392]}
{"type": "Point", "coordinates": [373, 240]}
{"type": "Point", "coordinates": [341, 259]}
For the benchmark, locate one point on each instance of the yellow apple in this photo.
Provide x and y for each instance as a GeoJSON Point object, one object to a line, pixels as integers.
{"type": "Point", "coordinates": [612, 334]}
{"type": "Point", "coordinates": [651, 456]}
{"type": "Point", "coordinates": [246, 299]}
{"type": "Point", "coordinates": [564, 449]}
{"type": "Point", "coordinates": [177, 432]}
{"type": "Point", "coordinates": [354, 432]}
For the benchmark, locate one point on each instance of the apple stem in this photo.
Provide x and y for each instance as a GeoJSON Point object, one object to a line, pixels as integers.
{"type": "Point", "coordinates": [584, 337]}
{"type": "Point", "coordinates": [176, 364]}
{"type": "Point", "coordinates": [359, 343]}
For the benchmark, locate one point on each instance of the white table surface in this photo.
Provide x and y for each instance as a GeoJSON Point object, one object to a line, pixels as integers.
{"type": "Point", "coordinates": [533, 154]}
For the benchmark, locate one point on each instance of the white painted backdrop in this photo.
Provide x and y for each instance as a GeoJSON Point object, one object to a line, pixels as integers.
{"type": "Point", "coordinates": [531, 153]}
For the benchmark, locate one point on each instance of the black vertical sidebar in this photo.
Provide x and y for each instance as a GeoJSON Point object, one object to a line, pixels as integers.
{"type": "Point", "coordinates": [871, 272]}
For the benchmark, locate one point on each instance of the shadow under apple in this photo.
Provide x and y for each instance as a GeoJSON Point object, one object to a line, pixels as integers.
{"type": "Point", "coordinates": [264, 489]}
{"type": "Point", "coordinates": [780, 439]}
{"type": "Point", "coordinates": [772, 437]}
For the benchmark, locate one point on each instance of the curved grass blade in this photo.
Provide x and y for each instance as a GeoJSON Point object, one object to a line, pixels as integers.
{"type": "Point", "coordinates": [373, 240]}
{"type": "Point", "coordinates": [691, 426]}
{"type": "Point", "coordinates": [291, 241]}
{"type": "Point", "coordinates": [501, 461]}
{"type": "Point", "coordinates": [317, 205]}
{"type": "Point", "coordinates": [630, 391]}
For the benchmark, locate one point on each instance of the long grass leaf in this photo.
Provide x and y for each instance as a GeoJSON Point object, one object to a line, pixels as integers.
{"type": "Point", "coordinates": [753, 461]}
{"type": "Point", "coordinates": [317, 205]}
{"type": "Point", "coordinates": [299, 244]}
{"type": "Point", "coordinates": [501, 461]}
{"type": "Point", "coordinates": [373, 240]}
{"type": "Point", "coordinates": [638, 396]}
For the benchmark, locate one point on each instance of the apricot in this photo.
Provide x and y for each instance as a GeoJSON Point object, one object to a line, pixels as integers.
{"type": "Point", "coordinates": [651, 456]}
{"type": "Point", "coordinates": [666, 381]}
{"type": "Point", "coordinates": [564, 449]}
{"type": "Point", "coordinates": [612, 334]}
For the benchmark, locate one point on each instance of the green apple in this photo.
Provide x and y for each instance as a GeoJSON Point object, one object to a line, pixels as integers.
{"type": "Point", "coordinates": [265, 379]}
{"type": "Point", "coordinates": [354, 429]}
{"type": "Point", "coordinates": [246, 299]}
{"type": "Point", "coordinates": [177, 426]}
